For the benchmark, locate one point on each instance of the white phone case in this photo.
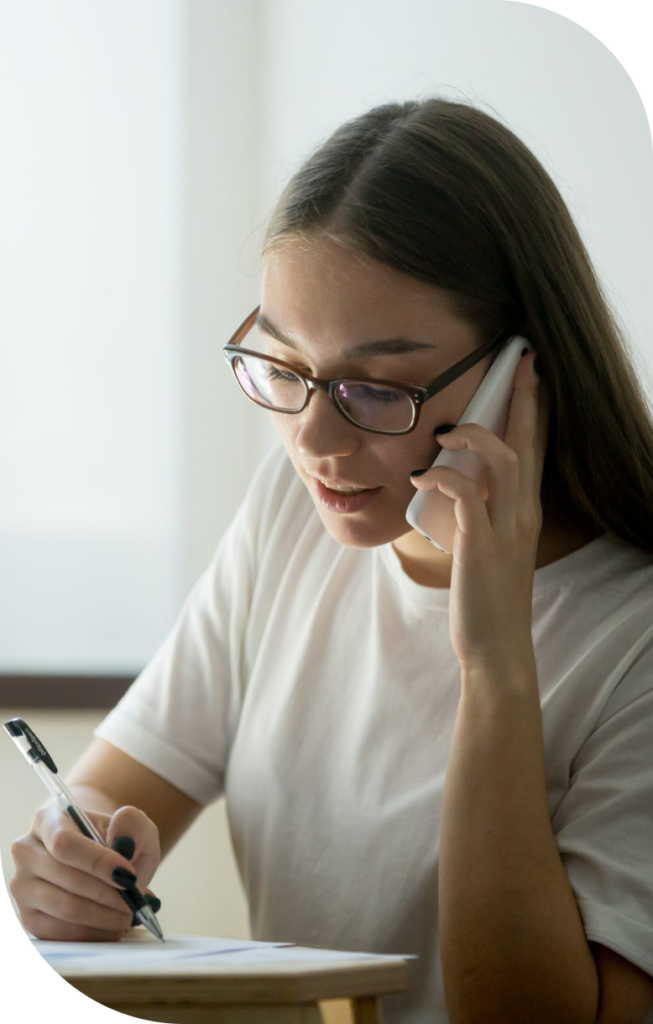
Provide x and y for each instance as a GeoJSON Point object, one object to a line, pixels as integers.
{"type": "Point", "coordinates": [432, 512]}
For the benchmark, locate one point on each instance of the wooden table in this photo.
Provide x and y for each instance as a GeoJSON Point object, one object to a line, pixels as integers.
{"type": "Point", "coordinates": [221, 993]}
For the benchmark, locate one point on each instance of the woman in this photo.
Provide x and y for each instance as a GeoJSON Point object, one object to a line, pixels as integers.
{"type": "Point", "coordinates": [331, 670]}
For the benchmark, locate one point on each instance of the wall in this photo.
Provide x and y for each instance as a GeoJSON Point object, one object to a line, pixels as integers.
{"type": "Point", "coordinates": [91, 195]}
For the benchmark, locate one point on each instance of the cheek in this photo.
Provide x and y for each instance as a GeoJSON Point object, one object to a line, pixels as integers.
{"type": "Point", "coordinates": [283, 426]}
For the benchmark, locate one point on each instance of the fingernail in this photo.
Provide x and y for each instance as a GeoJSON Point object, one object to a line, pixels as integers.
{"type": "Point", "coordinates": [418, 472]}
{"type": "Point", "coordinates": [154, 902]}
{"type": "Point", "coordinates": [122, 876]}
{"type": "Point", "coordinates": [124, 845]}
{"type": "Point", "coordinates": [537, 366]}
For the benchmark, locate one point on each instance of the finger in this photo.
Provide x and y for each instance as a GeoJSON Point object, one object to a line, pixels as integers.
{"type": "Point", "coordinates": [44, 926]}
{"type": "Point", "coordinates": [52, 815]}
{"type": "Point", "coordinates": [470, 510]}
{"type": "Point", "coordinates": [36, 862]}
{"type": "Point", "coordinates": [527, 431]}
{"type": "Point", "coordinates": [155, 904]}
{"type": "Point", "coordinates": [70, 847]}
{"type": "Point", "coordinates": [131, 822]}
{"type": "Point", "coordinates": [75, 910]}
{"type": "Point", "coordinates": [490, 499]}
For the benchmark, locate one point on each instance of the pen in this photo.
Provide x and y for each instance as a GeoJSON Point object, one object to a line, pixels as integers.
{"type": "Point", "coordinates": [33, 750]}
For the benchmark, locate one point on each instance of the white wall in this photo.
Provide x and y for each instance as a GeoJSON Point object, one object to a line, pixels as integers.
{"type": "Point", "coordinates": [91, 192]}
{"type": "Point", "coordinates": [222, 441]}
{"type": "Point", "coordinates": [261, 85]}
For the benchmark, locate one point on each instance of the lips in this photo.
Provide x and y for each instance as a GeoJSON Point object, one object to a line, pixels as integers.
{"type": "Point", "coordinates": [340, 483]}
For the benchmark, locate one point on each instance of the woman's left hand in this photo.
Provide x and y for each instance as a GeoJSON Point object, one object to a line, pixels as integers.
{"type": "Point", "coordinates": [496, 540]}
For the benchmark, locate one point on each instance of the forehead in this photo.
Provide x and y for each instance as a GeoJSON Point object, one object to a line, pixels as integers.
{"type": "Point", "coordinates": [329, 296]}
{"type": "Point", "coordinates": [330, 274]}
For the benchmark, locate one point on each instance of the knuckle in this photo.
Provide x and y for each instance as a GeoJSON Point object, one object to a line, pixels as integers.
{"type": "Point", "coordinates": [128, 813]}
{"type": "Point", "coordinates": [39, 816]}
{"type": "Point", "coordinates": [18, 848]}
{"type": "Point", "coordinates": [60, 844]}
{"type": "Point", "coordinates": [15, 887]}
{"type": "Point", "coordinates": [67, 908]}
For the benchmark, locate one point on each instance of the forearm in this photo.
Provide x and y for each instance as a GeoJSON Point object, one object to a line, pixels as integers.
{"type": "Point", "coordinates": [512, 940]}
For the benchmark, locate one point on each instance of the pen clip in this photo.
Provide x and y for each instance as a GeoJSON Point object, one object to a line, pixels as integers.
{"type": "Point", "coordinates": [28, 743]}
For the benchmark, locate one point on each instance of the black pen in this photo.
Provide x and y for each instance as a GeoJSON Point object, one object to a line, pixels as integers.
{"type": "Point", "coordinates": [33, 750]}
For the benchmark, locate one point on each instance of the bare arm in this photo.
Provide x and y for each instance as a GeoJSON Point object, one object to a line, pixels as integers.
{"type": "Point", "coordinates": [105, 778]}
{"type": "Point", "coordinates": [512, 938]}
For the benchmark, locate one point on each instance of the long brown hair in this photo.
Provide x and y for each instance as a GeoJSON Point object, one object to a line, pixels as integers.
{"type": "Point", "coordinates": [441, 190]}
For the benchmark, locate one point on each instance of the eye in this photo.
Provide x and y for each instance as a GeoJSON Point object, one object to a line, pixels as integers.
{"type": "Point", "coordinates": [276, 373]}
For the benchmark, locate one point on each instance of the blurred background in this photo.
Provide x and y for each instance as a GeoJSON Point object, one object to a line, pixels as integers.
{"type": "Point", "coordinates": [144, 143]}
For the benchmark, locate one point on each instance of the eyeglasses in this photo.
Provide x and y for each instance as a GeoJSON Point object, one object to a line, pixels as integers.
{"type": "Point", "coordinates": [381, 406]}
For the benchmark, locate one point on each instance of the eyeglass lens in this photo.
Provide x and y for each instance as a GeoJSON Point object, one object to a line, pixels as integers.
{"type": "Point", "coordinates": [276, 387]}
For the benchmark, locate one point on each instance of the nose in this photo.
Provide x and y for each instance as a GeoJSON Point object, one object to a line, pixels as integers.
{"type": "Point", "coordinates": [323, 430]}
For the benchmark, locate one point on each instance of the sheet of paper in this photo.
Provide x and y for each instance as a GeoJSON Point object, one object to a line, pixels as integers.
{"type": "Point", "coordinates": [305, 955]}
{"type": "Point", "coordinates": [136, 952]}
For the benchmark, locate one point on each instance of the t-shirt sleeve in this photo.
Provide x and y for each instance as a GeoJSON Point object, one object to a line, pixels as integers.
{"type": "Point", "coordinates": [604, 824]}
{"type": "Point", "coordinates": [179, 716]}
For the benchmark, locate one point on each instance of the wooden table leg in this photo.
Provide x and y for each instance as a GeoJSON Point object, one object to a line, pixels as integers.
{"type": "Point", "coordinates": [367, 1010]}
{"type": "Point", "coordinates": [360, 1010]}
{"type": "Point", "coordinates": [337, 1011]}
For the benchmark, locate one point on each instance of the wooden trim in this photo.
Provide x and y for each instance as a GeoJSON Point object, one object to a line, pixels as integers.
{"type": "Point", "coordinates": [63, 691]}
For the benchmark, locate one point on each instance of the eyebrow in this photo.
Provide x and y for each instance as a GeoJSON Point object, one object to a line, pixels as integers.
{"type": "Point", "coordinates": [390, 347]}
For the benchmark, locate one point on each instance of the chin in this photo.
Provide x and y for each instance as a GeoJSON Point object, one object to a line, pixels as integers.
{"type": "Point", "coordinates": [347, 531]}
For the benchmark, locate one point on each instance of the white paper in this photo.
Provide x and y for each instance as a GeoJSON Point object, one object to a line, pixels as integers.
{"type": "Point", "coordinates": [136, 952]}
{"type": "Point", "coordinates": [302, 954]}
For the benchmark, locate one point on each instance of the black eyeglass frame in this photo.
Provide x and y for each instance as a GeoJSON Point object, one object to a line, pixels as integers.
{"type": "Point", "coordinates": [419, 394]}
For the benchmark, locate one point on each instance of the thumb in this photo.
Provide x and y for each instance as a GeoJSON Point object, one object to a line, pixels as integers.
{"type": "Point", "coordinates": [135, 836]}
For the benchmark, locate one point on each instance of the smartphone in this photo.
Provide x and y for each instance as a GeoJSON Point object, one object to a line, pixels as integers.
{"type": "Point", "coordinates": [432, 512]}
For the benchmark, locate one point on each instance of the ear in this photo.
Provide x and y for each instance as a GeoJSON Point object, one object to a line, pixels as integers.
{"type": "Point", "coordinates": [626, 991]}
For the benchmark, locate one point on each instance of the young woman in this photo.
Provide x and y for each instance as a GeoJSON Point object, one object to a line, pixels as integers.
{"type": "Point", "coordinates": [441, 754]}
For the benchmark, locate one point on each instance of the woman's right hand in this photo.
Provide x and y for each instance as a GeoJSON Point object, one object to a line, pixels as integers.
{"type": "Point", "coordinates": [63, 885]}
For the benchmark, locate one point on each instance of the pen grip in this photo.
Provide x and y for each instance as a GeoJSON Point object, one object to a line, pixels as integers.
{"type": "Point", "coordinates": [134, 898]}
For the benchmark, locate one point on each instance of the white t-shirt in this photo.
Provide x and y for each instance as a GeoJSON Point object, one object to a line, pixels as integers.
{"type": "Point", "coordinates": [315, 686]}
